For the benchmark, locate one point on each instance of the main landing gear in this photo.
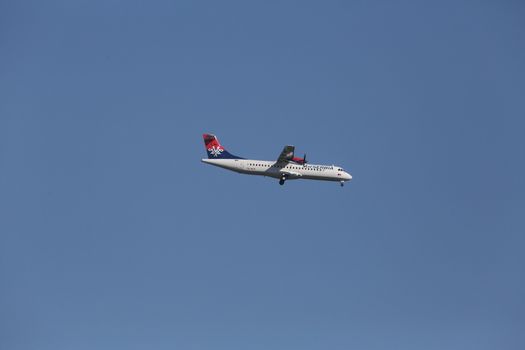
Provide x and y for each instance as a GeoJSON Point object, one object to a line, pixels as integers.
{"type": "Point", "coordinates": [282, 180]}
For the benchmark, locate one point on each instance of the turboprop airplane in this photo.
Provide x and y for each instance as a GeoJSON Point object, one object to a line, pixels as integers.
{"type": "Point", "coordinates": [286, 167]}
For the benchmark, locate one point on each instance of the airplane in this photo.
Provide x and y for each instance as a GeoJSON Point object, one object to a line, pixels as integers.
{"type": "Point", "coordinates": [286, 167]}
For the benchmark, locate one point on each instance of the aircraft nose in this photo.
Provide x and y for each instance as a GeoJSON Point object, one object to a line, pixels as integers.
{"type": "Point", "coordinates": [348, 177]}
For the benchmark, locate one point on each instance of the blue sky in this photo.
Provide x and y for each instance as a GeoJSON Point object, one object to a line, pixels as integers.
{"type": "Point", "coordinates": [113, 234]}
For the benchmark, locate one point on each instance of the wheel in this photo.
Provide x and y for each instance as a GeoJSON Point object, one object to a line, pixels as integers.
{"type": "Point", "coordinates": [342, 183]}
{"type": "Point", "coordinates": [281, 182]}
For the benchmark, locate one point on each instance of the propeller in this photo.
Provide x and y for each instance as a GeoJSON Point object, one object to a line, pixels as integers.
{"type": "Point", "coordinates": [304, 159]}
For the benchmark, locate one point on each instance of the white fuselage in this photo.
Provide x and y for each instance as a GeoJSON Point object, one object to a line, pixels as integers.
{"type": "Point", "coordinates": [277, 170]}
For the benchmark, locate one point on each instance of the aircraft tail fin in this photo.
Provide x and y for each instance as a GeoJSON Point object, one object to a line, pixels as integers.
{"type": "Point", "coordinates": [215, 150]}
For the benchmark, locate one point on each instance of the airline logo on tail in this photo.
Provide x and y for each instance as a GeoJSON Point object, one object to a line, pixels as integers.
{"type": "Point", "coordinates": [215, 151]}
{"type": "Point", "coordinates": [214, 148]}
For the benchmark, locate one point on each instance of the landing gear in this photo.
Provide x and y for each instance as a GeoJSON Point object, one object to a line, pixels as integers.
{"type": "Point", "coordinates": [282, 180]}
{"type": "Point", "coordinates": [342, 183]}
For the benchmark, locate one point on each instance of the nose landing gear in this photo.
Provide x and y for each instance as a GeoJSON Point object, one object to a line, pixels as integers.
{"type": "Point", "coordinates": [342, 183]}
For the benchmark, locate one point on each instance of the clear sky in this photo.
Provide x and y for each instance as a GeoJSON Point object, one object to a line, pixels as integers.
{"type": "Point", "coordinates": [113, 234]}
